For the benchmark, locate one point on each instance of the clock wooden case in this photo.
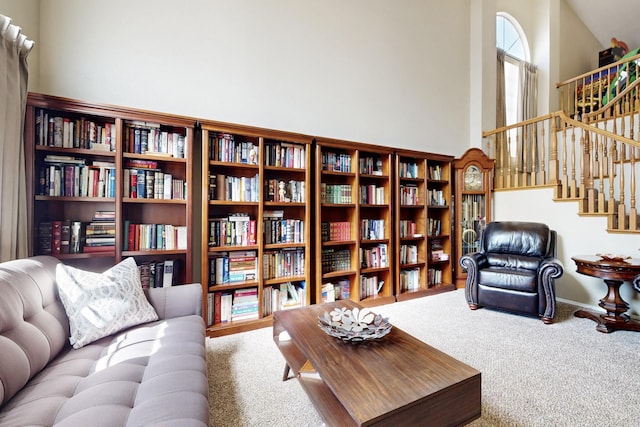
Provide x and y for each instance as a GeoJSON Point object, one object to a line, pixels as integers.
{"type": "Point", "coordinates": [473, 187]}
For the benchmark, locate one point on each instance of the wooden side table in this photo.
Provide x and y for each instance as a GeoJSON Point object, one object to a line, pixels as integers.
{"type": "Point", "coordinates": [614, 273]}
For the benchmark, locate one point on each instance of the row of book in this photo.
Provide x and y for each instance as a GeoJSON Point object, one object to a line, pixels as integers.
{"type": "Point", "coordinates": [237, 229]}
{"type": "Point", "coordinates": [370, 286]}
{"type": "Point", "coordinates": [335, 260]}
{"type": "Point", "coordinates": [285, 296]}
{"type": "Point", "coordinates": [335, 193]}
{"type": "Point", "coordinates": [374, 257]}
{"type": "Point", "coordinates": [434, 227]}
{"type": "Point", "coordinates": [224, 148]}
{"type": "Point", "coordinates": [284, 192]}
{"type": "Point", "coordinates": [372, 229]}
{"type": "Point", "coordinates": [435, 172]}
{"type": "Point", "coordinates": [74, 132]}
{"type": "Point", "coordinates": [283, 263]}
{"type": "Point", "coordinates": [336, 162]}
{"type": "Point", "coordinates": [408, 170]}
{"type": "Point", "coordinates": [60, 177]}
{"type": "Point", "coordinates": [150, 138]}
{"type": "Point", "coordinates": [143, 237]}
{"type": "Point", "coordinates": [372, 195]}
{"type": "Point", "coordinates": [242, 304]}
{"type": "Point", "coordinates": [158, 274]}
{"type": "Point", "coordinates": [234, 188]}
{"type": "Point", "coordinates": [408, 254]}
{"type": "Point", "coordinates": [286, 155]}
{"type": "Point", "coordinates": [152, 184]}
{"type": "Point", "coordinates": [234, 266]}
{"type": "Point", "coordinates": [410, 279]}
{"type": "Point", "coordinates": [71, 237]}
{"type": "Point", "coordinates": [335, 231]}
{"type": "Point", "coordinates": [370, 166]}
{"type": "Point", "coordinates": [409, 228]}
{"type": "Point", "coordinates": [237, 305]}
{"type": "Point", "coordinates": [434, 277]}
{"type": "Point", "coordinates": [335, 291]}
{"type": "Point", "coordinates": [436, 198]}
{"type": "Point", "coordinates": [409, 195]}
{"type": "Point", "coordinates": [281, 230]}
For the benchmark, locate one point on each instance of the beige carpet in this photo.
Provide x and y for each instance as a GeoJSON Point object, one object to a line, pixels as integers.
{"type": "Point", "coordinates": [565, 374]}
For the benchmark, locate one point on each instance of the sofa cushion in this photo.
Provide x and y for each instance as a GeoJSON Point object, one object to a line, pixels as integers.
{"type": "Point", "coordinates": [101, 304]}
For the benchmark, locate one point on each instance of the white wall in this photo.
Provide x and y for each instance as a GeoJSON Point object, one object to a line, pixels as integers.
{"type": "Point", "coordinates": [26, 15]}
{"type": "Point", "coordinates": [381, 72]}
{"type": "Point", "coordinates": [576, 236]}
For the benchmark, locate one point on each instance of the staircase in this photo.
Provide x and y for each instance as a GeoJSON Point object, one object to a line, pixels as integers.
{"type": "Point", "coordinates": [587, 152]}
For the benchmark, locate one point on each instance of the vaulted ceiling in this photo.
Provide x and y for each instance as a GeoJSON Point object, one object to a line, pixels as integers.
{"type": "Point", "coordinates": [611, 18]}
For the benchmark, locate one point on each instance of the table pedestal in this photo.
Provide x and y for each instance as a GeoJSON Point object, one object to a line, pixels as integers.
{"type": "Point", "coordinates": [614, 274]}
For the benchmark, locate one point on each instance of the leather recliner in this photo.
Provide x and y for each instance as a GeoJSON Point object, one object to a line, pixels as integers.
{"type": "Point", "coordinates": [514, 270]}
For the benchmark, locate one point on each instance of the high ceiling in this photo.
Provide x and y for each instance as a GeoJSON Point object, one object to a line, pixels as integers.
{"type": "Point", "coordinates": [612, 18]}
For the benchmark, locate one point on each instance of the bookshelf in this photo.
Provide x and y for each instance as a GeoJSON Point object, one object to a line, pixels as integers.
{"type": "Point", "coordinates": [77, 157]}
{"type": "Point", "coordinates": [473, 187]}
{"type": "Point", "coordinates": [439, 224]}
{"type": "Point", "coordinates": [353, 222]}
{"type": "Point", "coordinates": [256, 218]}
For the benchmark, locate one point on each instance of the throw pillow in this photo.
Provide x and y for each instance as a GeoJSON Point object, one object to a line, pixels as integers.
{"type": "Point", "coordinates": [101, 304]}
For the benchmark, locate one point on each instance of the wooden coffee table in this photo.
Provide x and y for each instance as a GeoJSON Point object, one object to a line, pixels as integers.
{"type": "Point", "coordinates": [395, 381]}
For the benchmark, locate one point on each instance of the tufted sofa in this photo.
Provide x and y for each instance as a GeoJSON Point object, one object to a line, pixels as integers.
{"type": "Point", "coordinates": [152, 374]}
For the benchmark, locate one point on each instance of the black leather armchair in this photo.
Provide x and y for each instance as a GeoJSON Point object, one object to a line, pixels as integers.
{"type": "Point", "coordinates": [515, 269]}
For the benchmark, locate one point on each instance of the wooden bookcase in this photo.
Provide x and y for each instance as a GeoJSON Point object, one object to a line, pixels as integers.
{"type": "Point", "coordinates": [255, 185]}
{"type": "Point", "coordinates": [78, 160]}
{"type": "Point", "coordinates": [353, 219]}
{"type": "Point", "coordinates": [439, 223]}
{"type": "Point", "coordinates": [473, 189]}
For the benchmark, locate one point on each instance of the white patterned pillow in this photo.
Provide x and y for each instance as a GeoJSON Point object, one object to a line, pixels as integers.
{"type": "Point", "coordinates": [99, 305]}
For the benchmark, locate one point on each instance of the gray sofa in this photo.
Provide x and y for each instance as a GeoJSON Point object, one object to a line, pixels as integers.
{"type": "Point", "coordinates": [153, 374]}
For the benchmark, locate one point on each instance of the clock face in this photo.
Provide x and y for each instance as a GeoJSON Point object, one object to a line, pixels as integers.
{"type": "Point", "coordinates": [473, 178]}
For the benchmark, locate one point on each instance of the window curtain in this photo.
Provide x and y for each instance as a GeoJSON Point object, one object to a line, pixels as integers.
{"type": "Point", "coordinates": [528, 98]}
{"type": "Point", "coordinates": [502, 151]}
{"type": "Point", "coordinates": [14, 75]}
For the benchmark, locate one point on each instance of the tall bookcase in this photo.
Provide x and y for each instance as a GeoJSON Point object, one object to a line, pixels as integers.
{"type": "Point", "coordinates": [83, 209]}
{"type": "Point", "coordinates": [353, 217]}
{"type": "Point", "coordinates": [439, 223]}
{"type": "Point", "coordinates": [256, 217]}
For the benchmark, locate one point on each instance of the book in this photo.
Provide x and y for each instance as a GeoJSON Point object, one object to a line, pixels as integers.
{"type": "Point", "coordinates": [307, 370]}
{"type": "Point", "coordinates": [168, 274]}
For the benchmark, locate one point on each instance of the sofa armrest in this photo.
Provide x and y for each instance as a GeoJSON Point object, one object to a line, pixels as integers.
{"type": "Point", "coordinates": [176, 301]}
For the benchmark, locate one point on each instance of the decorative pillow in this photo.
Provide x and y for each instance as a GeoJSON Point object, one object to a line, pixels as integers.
{"type": "Point", "coordinates": [99, 305]}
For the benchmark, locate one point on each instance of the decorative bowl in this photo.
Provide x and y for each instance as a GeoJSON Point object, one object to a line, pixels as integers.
{"type": "Point", "coordinates": [354, 325]}
{"type": "Point", "coordinates": [613, 257]}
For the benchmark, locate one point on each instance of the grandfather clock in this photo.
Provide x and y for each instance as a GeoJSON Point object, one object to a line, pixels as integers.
{"type": "Point", "coordinates": [473, 187]}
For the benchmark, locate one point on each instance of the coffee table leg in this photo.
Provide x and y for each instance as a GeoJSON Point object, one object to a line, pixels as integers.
{"type": "Point", "coordinates": [285, 375]}
{"type": "Point", "coordinates": [615, 317]}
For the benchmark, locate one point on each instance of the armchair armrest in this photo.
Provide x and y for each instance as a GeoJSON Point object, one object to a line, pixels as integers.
{"type": "Point", "coordinates": [472, 262]}
{"type": "Point", "coordinates": [176, 301]}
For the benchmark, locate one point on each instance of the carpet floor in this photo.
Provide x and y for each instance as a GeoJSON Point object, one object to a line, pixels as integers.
{"type": "Point", "coordinates": [564, 374]}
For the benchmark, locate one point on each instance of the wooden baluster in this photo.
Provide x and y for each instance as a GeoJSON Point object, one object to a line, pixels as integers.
{"type": "Point", "coordinates": [622, 217]}
{"type": "Point", "coordinates": [542, 179]}
{"type": "Point", "coordinates": [553, 153]}
{"type": "Point", "coordinates": [633, 214]}
{"type": "Point", "coordinates": [565, 177]}
{"type": "Point", "coordinates": [611, 200]}
{"type": "Point", "coordinates": [573, 191]}
{"type": "Point", "coordinates": [508, 153]}
{"type": "Point", "coordinates": [587, 192]}
{"type": "Point", "coordinates": [600, 151]}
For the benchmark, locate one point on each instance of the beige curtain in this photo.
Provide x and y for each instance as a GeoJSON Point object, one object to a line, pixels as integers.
{"type": "Point", "coordinates": [502, 151]}
{"type": "Point", "coordinates": [14, 48]}
{"type": "Point", "coordinates": [528, 96]}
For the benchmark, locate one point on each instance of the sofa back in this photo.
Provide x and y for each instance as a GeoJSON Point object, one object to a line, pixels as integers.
{"type": "Point", "coordinates": [33, 325]}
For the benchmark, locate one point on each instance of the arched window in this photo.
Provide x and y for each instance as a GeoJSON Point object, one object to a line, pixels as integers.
{"type": "Point", "coordinates": [512, 40]}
